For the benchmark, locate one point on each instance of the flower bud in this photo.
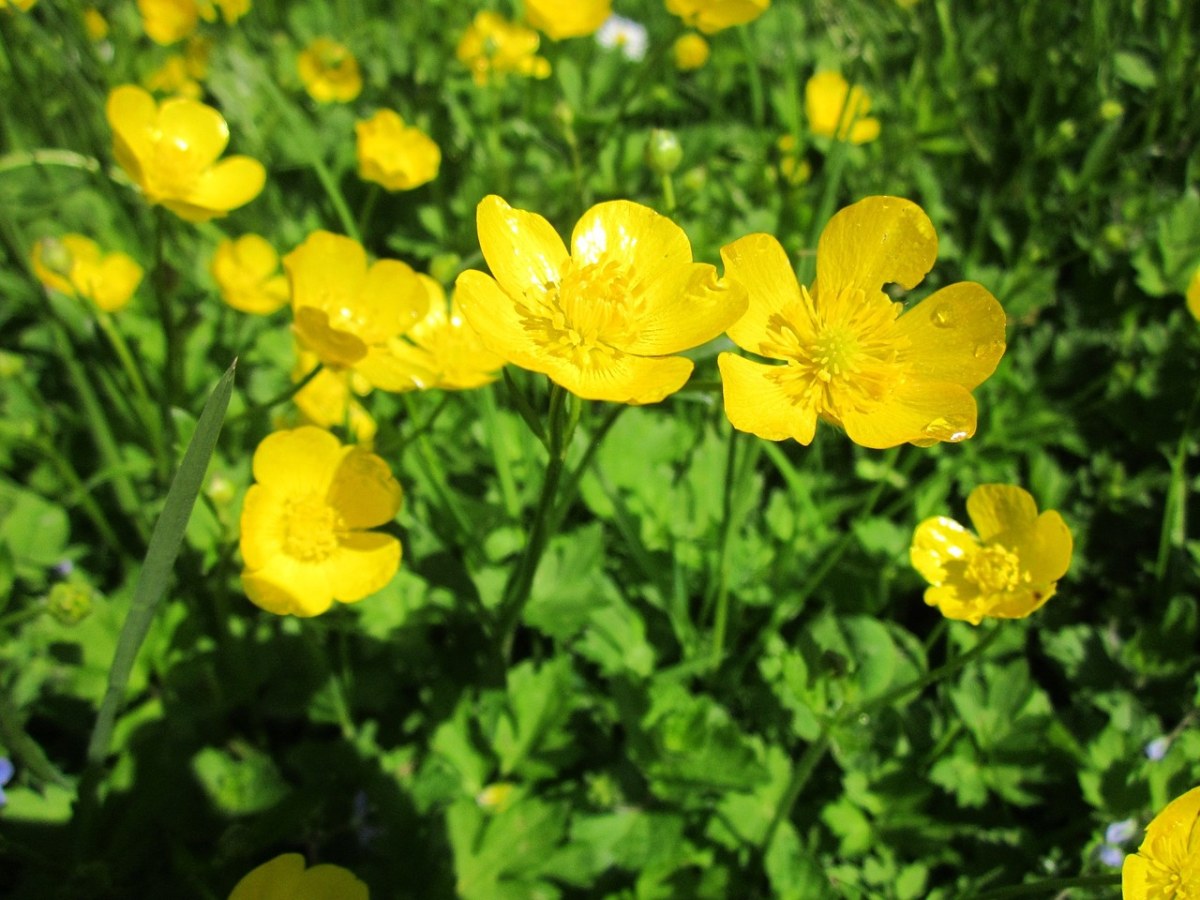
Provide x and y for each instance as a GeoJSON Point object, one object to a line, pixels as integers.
{"type": "Point", "coordinates": [663, 151]}
{"type": "Point", "coordinates": [70, 602]}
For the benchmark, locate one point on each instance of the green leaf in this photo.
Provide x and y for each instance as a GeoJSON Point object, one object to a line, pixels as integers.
{"type": "Point", "coordinates": [241, 784]}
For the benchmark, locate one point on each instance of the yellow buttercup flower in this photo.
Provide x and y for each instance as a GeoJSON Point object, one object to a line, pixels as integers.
{"type": "Point", "coordinates": [603, 319]}
{"type": "Point", "coordinates": [285, 878]}
{"type": "Point", "coordinates": [328, 400]}
{"type": "Point", "coordinates": [558, 19]}
{"type": "Point", "coordinates": [691, 52]}
{"type": "Point", "coordinates": [168, 21]}
{"type": "Point", "coordinates": [170, 152]}
{"type": "Point", "coordinates": [231, 10]}
{"type": "Point", "coordinates": [1167, 864]}
{"type": "Point", "coordinates": [849, 355]}
{"type": "Point", "coordinates": [173, 78]}
{"type": "Point", "coordinates": [836, 109]}
{"type": "Point", "coordinates": [492, 47]}
{"type": "Point", "coordinates": [794, 168]}
{"type": "Point", "coordinates": [1193, 294]}
{"type": "Point", "coordinates": [400, 157]}
{"type": "Point", "coordinates": [305, 521]}
{"type": "Point", "coordinates": [1009, 570]}
{"type": "Point", "coordinates": [76, 266]}
{"type": "Point", "coordinates": [349, 314]}
{"type": "Point", "coordinates": [329, 71]}
{"type": "Point", "coordinates": [23, 5]}
{"type": "Point", "coordinates": [247, 272]}
{"type": "Point", "coordinates": [711, 16]}
{"type": "Point", "coordinates": [94, 24]}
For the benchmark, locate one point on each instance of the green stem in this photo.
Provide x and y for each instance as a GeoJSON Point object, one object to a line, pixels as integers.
{"type": "Point", "coordinates": [145, 409]}
{"type": "Point", "coordinates": [500, 454]}
{"type": "Point", "coordinates": [283, 396]}
{"type": "Point", "coordinates": [364, 217]}
{"type": "Point", "coordinates": [25, 748]}
{"type": "Point", "coordinates": [1173, 532]}
{"type": "Point", "coordinates": [751, 55]}
{"type": "Point", "coordinates": [437, 477]}
{"type": "Point", "coordinates": [36, 158]}
{"type": "Point", "coordinates": [668, 189]}
{"type": "Point", "coordinates": [736, 476]}
{"type": "Point", "coordinates": [1052, 886]}
{"type": "Point", "coordinates": [571, 487]}
{"type": "Point", "coordinates": [21, 616]}
{"type": "Point", "coordinates": [335, 195]}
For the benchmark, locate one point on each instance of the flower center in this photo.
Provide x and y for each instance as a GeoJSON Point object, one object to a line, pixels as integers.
{"type": "Point", "coordinates": [836, 353]}
{"type": "Point", "coordinates": [312, 529]}
{"type": "Point", "coordinates": [588, 315]}
{"type": "Point", "coordinates": [994, 569]}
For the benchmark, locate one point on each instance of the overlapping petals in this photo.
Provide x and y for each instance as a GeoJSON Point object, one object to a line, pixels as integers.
{"type": "Point", "coordinates": [1167, 864]}
{"type": "Point", "coordinates": [286, 878]}
{"type": "Point", "coordinates": [329, 71]}
{"type": "Point", "coordinates": [75, 265]}
{"type": "Point", "coordinates": [835, 109]}
{"type": "Point", "coordinates": [603, 319]}
{"type": "Point", "coordinates": [170, 151]}
{"type": "Point", "coordinates": [304, 523]}
{"type": "Point", "coordinates": [247, 272]}
{"type": "Point", "coordinates": [848, 354]}
{"type": "Point", "coordinates": [397, 156]}
{"type": "Point", "coordinates": [1007, 569]}
{"type": "Point", "coordinates": [493, 47]}
{"type": "Point", "coordinates": [711, 16]}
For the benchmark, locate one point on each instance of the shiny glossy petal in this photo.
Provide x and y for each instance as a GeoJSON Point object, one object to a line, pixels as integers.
{"type": "Point", "coordinates": [262, 526]}
{"type": "Point", "coordinates": [132, 114]}
{"type": "Point", "coordinates": [874, 242]}
{"type": "Point", "coordinates": [998, 508]}
{"type": "Point", "coordinates": [917, 412]}
{"type": "Point", "coordinates": [1046, 555]}
{"type": "Point", "coordinates": [397, 367]}
{"type": "Point", "coordinates": [559, 19]}
{"type": "Point", "coordinates": [288, 587]}
{"type": "Point", "coordinates": [298, 461]}
{"type": "Point", "coordinates": [499, 321]}
{"type": "Point", "coordinates": [335, 347]}
{"type": "Point", "coordinates": [622, 378]}
{"type": "Point", "coordinates": [935, 543]}
{"type": "Point", "coordinates": [687, 307]}
{"type": "Point", "coordinates": [231, 183]}
{"type": "Point", "coordinates": [1020, 603]}
{"type": "Point", "coordinates": [277, 878]}
{"type": "Point", "coordinates": [255, 255]}
{"type": "Point", "coordinates": [521, 248]}
{"type": "Point", "coordinates": [192, 131]}
{"type": "Point", "coordinates": [363, 490]}
{"type": "Point", "coordinates": [759, 263]}
{"type": "Point", "coordinates": [364, 564]}
{"type": "Point", "coordinates": [327, 882]}
{"type": "Point", "coordinates": [326, 271]}
{"type": "Point", "coordinates": [114, 282]}
{"type": "Point", "coordinates": [954, 603]}
{"type": "Point", "coordinates": [630, 235]}
{"type": "Point", "coordinates": [391, 302]}
{"type": "Point", "coordinates": [758, 401]}
{"type": "Point", "coordinates": [955, 335]}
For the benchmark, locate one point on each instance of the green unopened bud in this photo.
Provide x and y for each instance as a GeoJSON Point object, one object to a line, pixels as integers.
{"type": "Point", "coordinates": [1115, 236]}
{"type": "Point", "coordinates": [987, 76]}
{"type": "Point", "coordinates": [564, 115]}
{"type": "Point", "coordinates": [496, 797]}
{"type": "Point", "coordinates": [70, 602]}
{"type": "Point", "coordinates": [444, 266]}
{"type": "Point", "coordinates": [56, 257]}
{"type": "Point", "coordinates": [220, 489]}
{"type": "Point", "coordinates": [1068, 129]}
{"type": "Point", "coordinates": [663, 151]}
{"type": "Point", "coordinates": [1111, 109]}
{"type": "Point", "coordinates": [11, 365]}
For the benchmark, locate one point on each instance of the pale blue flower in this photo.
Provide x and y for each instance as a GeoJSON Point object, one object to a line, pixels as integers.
{"type": "Point", "coordinates": [1113, 857]}
{"type": "Point", "coordinates": [6, 774]}
{"type": "Point", "coordinates": [1120, 832]}
{"type": "Point", "coordinates": [1157, 748]}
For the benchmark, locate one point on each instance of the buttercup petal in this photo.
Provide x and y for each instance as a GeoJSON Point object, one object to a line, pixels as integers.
{"type": "Point", "coordinates": [299, 461]}
{"type": "Point", "coordinates": [363, 490]}
{"type": "Point", "coordinates": [288, 587]}
{"type": "Point", "coordinates": [194, 131]}
{"type": "Point", "coordinates": [759, 263]}
{"type": "Point", "coordinates": [524, 252]}
{"type": "Point", "coordinates": [391, 301]}
{"type": "Point", "coordinates": [954, 604]}
{"type": "Point", "coordinates": [917, 412]}
{"type": "Point", "coordinates": [757, 401]}
{"type": "Point", "coordinates": [955, 335]}
{"type": "Point", "coordinates": [133, 115]}
{"type": "Point", "coordinates": [1047, 556]}
{"type": "Point", "coordinates": [364, 564]}
{"type": "Point", "coordinates": [326, 271]}
{"type": "Point", "coordinates": [998, 508]}
{"type": "Point", "coordinates": [874, 242]}
{"type": "Point", "coordinates": [687, 307]}
{"type": "Point", "coordinates": [336, 348]}
{"type": "Point", "coordinates": [499, 321]}
{"type": "Point", "coordinates": [279, 877]}
{"type": "Point", "coordinates": [935, 543]}
{"type": "Point", "coordinates": [633, 236]}
{"type": "Point", "coordinates": [114, 282]}
{"type": "Point", "coordinates": [622, 377]}
{"type": "Point", "coordinates": [231, 183]}
{"type": "Point", "coordinates": [328, 882]}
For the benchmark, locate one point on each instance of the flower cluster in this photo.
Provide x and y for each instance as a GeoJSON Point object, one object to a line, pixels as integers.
{"type": "Point", "coordinates": [76, 266]}
{"type": "Point", "coordinates": [493, 47]}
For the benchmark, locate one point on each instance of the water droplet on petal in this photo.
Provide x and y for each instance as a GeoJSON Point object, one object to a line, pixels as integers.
{"type": "Point", "coordinates": [995, 348]}
{"type": "Point", "coordinates": [943, 315]}
{"type": "Point", "coordinates": [942, 429]}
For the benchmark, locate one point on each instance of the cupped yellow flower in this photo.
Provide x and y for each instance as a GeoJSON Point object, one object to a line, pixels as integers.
{"type": "Point", "coordinates": [329, 71]}
{"type": "Point", "coordinates": [604, 319]}
{"type": "Point", "coordinates": [558, 19]}
{"type": "Point", "coordinates": [849, 355]}
{"type": "Point", "coordinates": [170, 151]}
{"type": "Point", "coordinates": [711, 16]}
{"type": "Point", "coordinates": [1006, 570]}
{"type": "Point", "coordinates": [1193, 294]}
{"type": "Point", "coordinates": [76, 266]}
{"type": "Point", "coordinates": [285, 878]}
{"type": "Point", "coordinates": [328, 400]}
{"type": "Point", "coordinates": [493, 47]}
{"type": "Point", "coordinates": [349, 314]}
{"type": "Point", "coordinates": [305, 538]}
{"type": "Point", "coordinates": [835, 109]}
{"type": "Point", "coordinates": [231, 10]}
{"type": "Point", "coordinates": [247, 272]}
{"type": "Point", "coordinates": [94, 24]}
{"type": "Point", "coordinates": [1167, 864]}
{"type": "Point", "coordinates": [400, 157]}
{"type": "Point", "coordinates": [174, 79]}
{"type": "Point", "coordinates": [793, 168]}
{"type": "Point", "coordinates": [23, 5]}
{"type": "Point", "coordinates": [691, 52]}
{"type": "Point", "coordinates": [168, 21]}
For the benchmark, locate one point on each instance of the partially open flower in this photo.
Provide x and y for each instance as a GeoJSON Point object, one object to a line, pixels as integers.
{"type": "Point", "coordinates": [711, 16]}
{"type": "Point", "coordinates": [397, 156]}
{"type": "Point", "coordinates": [305, 521]}
{"type": "Point", "coordinates": [691, 52]}
{"type": "Point", "coordinates": [835, 109]}
{"type": "Point", "coordinates": [247, 272]}
{"type": "Point", "coordinates": [558, 19]}
{"type": "Point", "coordinates": [329, 71]}
{"type": "Point", "coordinates": [75, 265]}
{"type": "Point", "coordinates": [171, 152]}
{"type": "Point", "coordinates": [493, 47]}
{"type": "Point", "coordinates": [169, 21]}
{"type": "Point", "coordinates": [1008, 569]}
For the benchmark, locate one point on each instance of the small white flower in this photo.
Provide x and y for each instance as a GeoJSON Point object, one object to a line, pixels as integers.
{"type": "Point", "coordinates": [628, 35]}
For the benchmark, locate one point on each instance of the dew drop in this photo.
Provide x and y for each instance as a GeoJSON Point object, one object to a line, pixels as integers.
{"type": "Point", "coordinates": [984, 350]}
{"type": "Point", "coordinates": [942, 429]}
{"type": "Point", "coordinates": [943, 316]}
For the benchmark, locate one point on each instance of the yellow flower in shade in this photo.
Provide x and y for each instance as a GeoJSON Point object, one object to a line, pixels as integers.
{"type": "Point", "coordinates": [1193, 294]}
{"type": "Point", "coordinates": [793, 168]}
{"type": "Point", "coordinates": [95, 24]}
{"type": "Point", "coordinates": [231, 10]}
{"type": "Point", "coordinates": [285, 878]}
{"type": "Point", "coordinates": [329, 71]}
{"type": "Point", "coordinates": [247, 272]}
{"type": "Point", "coordinates": [711, 16]}
{"type": "Point", "coordinates": [351, 315]}
{"type": "Point", "coordinates": [173, 78]}
{"type": "Point", "coordinates": [558, 19]}
{"type": "Point", "coordinates": [400, 157]}
{"type": "Point", "coordinates": [445, 351]}
{"type": "Point", "coordinates": [170, 151]}
{"type": "Point", "coordinates": [1167, 864]}
{"type": "Point", "coordinates": [848, 354]}
{"type": "Point", "coordinates": [76, 266]}
{"type": "Point", "coordinates": [691, 52]}
{"type": "Point", "coordinates": [328, 399]}
{"type": "Point", "coordinates": [836, 109]}
{"type": "Point", "coordinates": [168, 21]}
{"type": "Point", "coordinates": [1009, 570]}
{"type": "Point", "coordinates": [23, 5]}
{"type": "Point", "coordinates": [492, 46]}
{"type": "Point", "coordinates": [305, 538]}
{"type": "Point", "coordinates": [603, 319]}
